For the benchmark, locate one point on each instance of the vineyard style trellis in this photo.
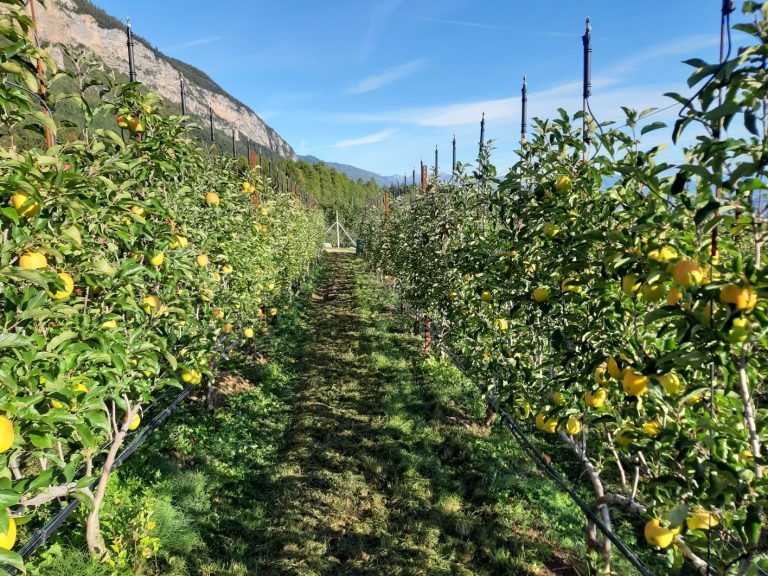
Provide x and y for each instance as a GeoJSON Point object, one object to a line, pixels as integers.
{"type": "Point", "coordinates": [616, 302]}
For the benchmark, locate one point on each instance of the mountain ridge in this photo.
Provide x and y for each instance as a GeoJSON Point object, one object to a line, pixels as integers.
{"type": "Point", "coordinates": [80, 23]}
{"type": "Point", "coordinates": [354, 172]}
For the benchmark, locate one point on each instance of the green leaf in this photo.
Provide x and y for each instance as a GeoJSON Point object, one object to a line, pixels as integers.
{"type": "Point", "coordinates": [10, 213]}
{"type": "Point", "coordinates": [42, 480]}
{"type": "Point", "coordinates": [171, 361]}
{"type": "Point", "coordinates": [45, 120]}
{"type": "Point", "coordinates": [86, 437]}
{"type": "Point", "coordinates": [653, 126]}
{"type": "Point", "coordinates": [677, 516]}
{"type": "Point", "coordinates": [60, 339]}
{"type": "Point", "coordinates": [32, 276]}
{"type": "Point", "coordinates": [73, 234]}
{"type": "Point", "coordinates": [9, 340]}
{"type": "Point", "coordinates": [750, 121]}
{"type": "Point", "coordinates": [704, 212]}
{"type": "Point", "coordinates": [9, 498]}
{"type": "Point", "coordinates": [11, 559]}
{"type": "Point", "coordinates": [41, 440]}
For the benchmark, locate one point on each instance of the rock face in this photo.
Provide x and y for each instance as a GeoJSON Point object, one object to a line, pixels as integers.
{"type": "Point", "coordinates": [66, 22]}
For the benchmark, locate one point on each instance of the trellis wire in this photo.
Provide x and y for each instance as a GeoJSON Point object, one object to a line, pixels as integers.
{"type": "Point", "coordinates": [41, 536]}
{"type": "Point", "coordinates": [540, 461]}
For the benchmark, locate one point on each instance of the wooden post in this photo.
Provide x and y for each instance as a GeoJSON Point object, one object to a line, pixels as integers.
{"type": "Point", "coordinates": [427, 333]}
{"type": "Point", "coordinates": [423, 177]}
{"type": "Point", "coordinates": [386, 204]}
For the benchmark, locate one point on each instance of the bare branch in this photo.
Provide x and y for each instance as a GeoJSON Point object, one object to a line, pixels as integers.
{"type": "Point", "coordinates": [624, 502]}
{"type": "Point", "coordinates": [49, 494]}
{"type": "Point", "coordinates": [698, 563]}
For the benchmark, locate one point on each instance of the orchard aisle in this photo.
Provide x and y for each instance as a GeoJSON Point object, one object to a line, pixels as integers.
{"type": "Point", "coordinates": [381, 469]}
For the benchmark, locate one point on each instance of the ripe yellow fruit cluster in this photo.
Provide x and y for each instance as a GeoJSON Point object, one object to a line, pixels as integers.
{"type": "Point", "coordinates": [191, 376]}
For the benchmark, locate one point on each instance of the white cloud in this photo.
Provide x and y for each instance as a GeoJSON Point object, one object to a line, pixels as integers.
{"type": "Point", "coordinates": [683, 46]}
{"type": "Point", "coordinates": [377, 81]}
{"type": "Point", "coordinates": [471, 24]}
{"type": "Point", "coordinates": [606, 101]}
{"type": "Point", "coordinates": [370, 139]}
{"type": "Point", "coordinates": [380, 16]}
{"type": "Point", "coordinates": [194, 43]}
{"type": "Point", "coordinates": [267, 114]}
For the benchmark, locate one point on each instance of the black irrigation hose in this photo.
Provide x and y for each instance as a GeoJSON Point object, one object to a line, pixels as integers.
{"type": "Point", "coordinates": [41, 536]}
{"type": "Point", "coordinates": [540, 461]}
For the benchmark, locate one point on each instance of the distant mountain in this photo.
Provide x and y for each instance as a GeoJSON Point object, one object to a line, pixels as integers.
{"type": "Point", "coordinates": [353, 172]}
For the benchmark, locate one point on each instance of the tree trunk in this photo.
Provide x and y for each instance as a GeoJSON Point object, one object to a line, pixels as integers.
{"type": "Point", "coordinates": [93, 535]}
{"type": "Point", "coordinates": [490, 417]}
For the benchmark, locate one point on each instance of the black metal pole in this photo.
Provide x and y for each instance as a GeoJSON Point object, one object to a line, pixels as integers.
{"type": "Point", "coordinates": [210, 117]}
{"type": "Point", "coordinates": [453, 161]}
{"type": "Point", "coordinates": [587, 42]}
{"type": "Point", "coordinates": [482, 132]}
{"type": "Point", "coordinates": [413, 178]}
{"type": "Point", "coordinates": [183, 97]}
{"type": "Point", "coordinates": [436, 162]}
{"type": "Point", "coordinates": [234, 149]}
{"type": "Point", "coordinates": [131, 58]}
{"type": "Point", "coordinates": [524, 117]}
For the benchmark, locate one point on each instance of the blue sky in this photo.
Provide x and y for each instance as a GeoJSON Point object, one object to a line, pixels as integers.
{"type": "Point", "coordinates": [379, 83]}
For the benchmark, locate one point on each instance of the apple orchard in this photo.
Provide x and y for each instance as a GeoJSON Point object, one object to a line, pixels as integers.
{"type": "Point", "coordinates": [615, 303]}
{"type": "Point", "coordinates": [131, 260]}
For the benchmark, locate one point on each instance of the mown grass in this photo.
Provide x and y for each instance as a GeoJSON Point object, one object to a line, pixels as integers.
{"type": "Point", "coordinates": [351, 453]}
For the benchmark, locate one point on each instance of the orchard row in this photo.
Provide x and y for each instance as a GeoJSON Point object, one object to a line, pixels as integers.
{"type": "Point", "coordinates": [131, 260]}
{"type": "Point", "coordinates": [617, 301]}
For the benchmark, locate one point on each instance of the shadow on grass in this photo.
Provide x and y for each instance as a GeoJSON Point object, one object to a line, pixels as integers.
{"type": "Point", "coordinates": [352, 455]}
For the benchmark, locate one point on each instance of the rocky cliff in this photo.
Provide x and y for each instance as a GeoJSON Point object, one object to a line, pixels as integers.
{"type": "Point", "coordinates": [79, 23]}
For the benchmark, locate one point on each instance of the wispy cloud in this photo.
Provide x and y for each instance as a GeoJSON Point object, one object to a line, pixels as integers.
{"type": "Point", "coordinates": [267, 114]}
{"type": "Point", "coordinates": [194, 43]}
{"type": "Point", "coordinates": [485, 26]}
{"type": "Point", "coordinates": [611, 91]}
{"type": "Point", "coordinates": [370, 139]}
{"type": "Point", "coordinates": [666, 50]}
{"type": "Point", "coordinates": [377, 81]}
{"type": "Point", "coordinates": [380, 16]}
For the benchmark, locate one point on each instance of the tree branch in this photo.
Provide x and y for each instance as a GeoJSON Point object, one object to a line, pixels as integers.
{"type": "Point", "coordinates": [698, 563]}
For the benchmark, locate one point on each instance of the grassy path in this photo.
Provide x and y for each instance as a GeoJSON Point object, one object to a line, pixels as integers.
{"type": "Point", "coordinates": [376, 473]}
{"type": "Point", "coordinates": [339, 450]}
